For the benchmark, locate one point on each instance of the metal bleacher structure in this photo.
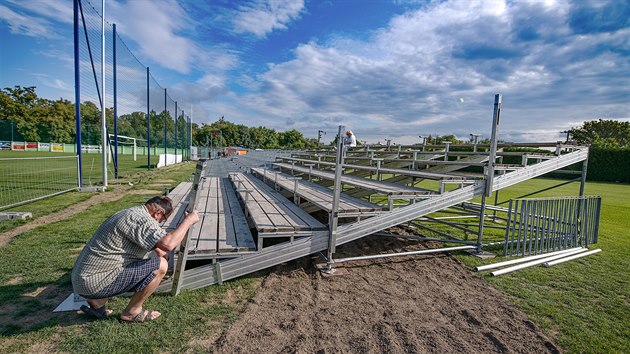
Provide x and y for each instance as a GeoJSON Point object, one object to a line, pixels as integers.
{"type": "Point", "coordinates": [268, 207]}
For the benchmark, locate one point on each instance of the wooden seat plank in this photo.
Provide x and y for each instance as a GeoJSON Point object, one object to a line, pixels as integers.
{"type": "Point", "coordinates": [319, 195]}
{"type": "Point", "coordinates": [179, 197]}
{"type": "Point", "coordinates": [402, 171]}
{"type": "Point", "coordinates": [235, 222]}
{"type": "Point", "coordinates": [270, 211]}
{"type": "Point", "coordinates": [374, 185]}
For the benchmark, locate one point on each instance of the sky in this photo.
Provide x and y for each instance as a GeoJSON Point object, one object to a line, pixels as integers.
{"type": "Point", "coordinates": [396, 69]}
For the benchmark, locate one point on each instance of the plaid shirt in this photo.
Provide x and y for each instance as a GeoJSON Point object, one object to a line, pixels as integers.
{"type": "Point", "coordinates": [124, 238]}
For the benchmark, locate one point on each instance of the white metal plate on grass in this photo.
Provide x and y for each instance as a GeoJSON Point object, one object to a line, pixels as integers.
{"type": "Point", "coordinates": [71, 303]}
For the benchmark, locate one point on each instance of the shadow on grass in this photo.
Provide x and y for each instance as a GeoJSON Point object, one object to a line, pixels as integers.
{"type": "Point", "coordinates": [28, 307]}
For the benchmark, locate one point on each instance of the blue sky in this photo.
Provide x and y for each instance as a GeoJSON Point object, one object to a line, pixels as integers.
{"type": "Point", "coordinates": [385, 69]}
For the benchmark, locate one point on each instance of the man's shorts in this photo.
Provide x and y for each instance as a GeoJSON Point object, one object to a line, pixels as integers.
{"type": "Point", "coordinates": [134, 277]}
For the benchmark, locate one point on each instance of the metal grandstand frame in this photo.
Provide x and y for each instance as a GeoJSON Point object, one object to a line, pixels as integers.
{"type": "Point", "coordinates": [409, 165]}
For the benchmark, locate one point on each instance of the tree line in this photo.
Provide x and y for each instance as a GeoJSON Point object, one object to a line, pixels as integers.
{"type": "Point", "coordinates": [33, 118]}
{"type": "Point", "coordinates": [39, 119]}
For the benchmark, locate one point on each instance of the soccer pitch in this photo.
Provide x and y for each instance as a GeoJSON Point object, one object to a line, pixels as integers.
{"type": "Point", "coordinates": [29, 175]}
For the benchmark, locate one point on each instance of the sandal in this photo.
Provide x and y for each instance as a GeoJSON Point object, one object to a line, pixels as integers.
{"type": "Point", "coordinates": [143, 316]}
{"type": "Point", "coordinates": [99, 313]}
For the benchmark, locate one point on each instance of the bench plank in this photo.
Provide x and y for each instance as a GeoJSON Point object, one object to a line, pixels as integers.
{"type": "Point", "coordinates": [374, 185]}
{"type": "Point", "coordinates": [318, 195]}
{"type": "Point", "coordinates": [270, 211]}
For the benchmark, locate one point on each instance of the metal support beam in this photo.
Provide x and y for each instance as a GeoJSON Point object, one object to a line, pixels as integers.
{"type": "Point", "coordinates": [334, 214]}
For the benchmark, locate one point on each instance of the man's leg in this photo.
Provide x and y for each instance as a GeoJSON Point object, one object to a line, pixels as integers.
{"type": "Point", "coordinates": [138, 298]}
{"type": "Point", "coordinates": [98, 303]}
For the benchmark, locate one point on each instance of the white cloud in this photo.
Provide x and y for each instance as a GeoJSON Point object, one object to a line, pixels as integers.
{"type": "Point", "coordinates": [264, 16]}
{"type": "Point", "coordinates": [56, 10]}
{"type": "Point", "coordinates": [155, 27]}
{"type": "Point", "coordinates": [26, 25]}
{"type": "Point", "coordinates": [412, 74]}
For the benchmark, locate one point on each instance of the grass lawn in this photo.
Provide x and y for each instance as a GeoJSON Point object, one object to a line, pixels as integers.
{"type": "Point", "coordinates": [583, 305]}
{"type": "Point", "coordinates": [92, 163]}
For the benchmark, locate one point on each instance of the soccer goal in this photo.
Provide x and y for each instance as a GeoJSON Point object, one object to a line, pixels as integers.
{"type": "Point", "coordinates": [124, 141]}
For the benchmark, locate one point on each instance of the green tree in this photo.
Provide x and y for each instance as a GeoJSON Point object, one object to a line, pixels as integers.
{"type": "Point", "coordinates": [291, 139]}
{"type": "Point", "coordinates": [604, 133]}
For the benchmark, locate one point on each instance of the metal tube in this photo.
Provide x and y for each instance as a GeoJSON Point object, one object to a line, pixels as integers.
{"type": "Point", "coordinates": [148, 126]}
{"type": "Point", "coordinates": [115, 87]}
{"type": "Point", "coordinates": [175, 136]}
{"type": "Point", "coordinates": [482, 217]}
{"type": "Point", "coordinates": [77, 90]}
{"type": "Point", "coordinates": [522, 260]}
{"type": "Point", "coordinates": [576, 256]}
{"type": "Point", "coordinates": [334, 213]}
{"type": "Point", "coordinates": [536, 262]}
{"type": "Point", "coordinates": [104, 137]}
{"type": "Point", "coordinates": [436, 250]}
{"type": "Point", "coordinates": [493, 144]}
{"type": "Point", "coordinates": [165, 152]}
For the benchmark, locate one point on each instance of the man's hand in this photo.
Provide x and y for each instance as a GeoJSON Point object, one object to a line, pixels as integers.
{"type": "Point", "coordinates": [193, 216]}
{"type": "Point", "coordinates": [173, 238]}
{"type": "Point", "coordinates": [161, 253]}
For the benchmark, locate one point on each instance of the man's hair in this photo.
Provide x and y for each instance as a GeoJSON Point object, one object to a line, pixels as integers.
{"type": "Point", "coordinates": [163, 204]}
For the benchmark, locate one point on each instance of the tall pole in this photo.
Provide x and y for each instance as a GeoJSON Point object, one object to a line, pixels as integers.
{"type": "Point", "coordinates": [490, 169]}
{"type": "Point", "coordinates": [148, 125]}
{"type": "Point", "coordinates": [104, 136]}
{"type": "Point", "coordinates": [333, 217]}
{"type": "Point", "coordinates": [77, 91]}
{"type": "Point", "coordinates": [175, 130]}
{"type": "Point", "coordinates": [115, 106]}
{"type": "Point", "coordinates": [165, 152]}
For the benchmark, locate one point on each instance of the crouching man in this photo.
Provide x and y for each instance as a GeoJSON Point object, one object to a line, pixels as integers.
{"type": "Point", "coordinates": [113, 262]}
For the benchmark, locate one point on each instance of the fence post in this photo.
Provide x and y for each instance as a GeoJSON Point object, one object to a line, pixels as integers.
{"type": "Point", "coordinates": [115, 106]}
{"type": "Point", "coordinates": [104, 137]}
{"type": "Point", "coordinates": [148, 126]}
{"type": "Point", "coordinates": [165, 152]}
{"type": "Point", "coordinates": [182, 131]}
{"type": "Point", "coordinates": [77, 90]}
{"type": "Point", "coordinates": [175, 135]}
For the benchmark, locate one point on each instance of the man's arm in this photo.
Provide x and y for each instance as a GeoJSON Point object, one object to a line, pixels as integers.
{"type": "Point", "coordinates": [175, 237]}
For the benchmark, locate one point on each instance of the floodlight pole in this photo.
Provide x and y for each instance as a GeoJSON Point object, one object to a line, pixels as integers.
{"type": "Point", "coordinates": [103, 116]}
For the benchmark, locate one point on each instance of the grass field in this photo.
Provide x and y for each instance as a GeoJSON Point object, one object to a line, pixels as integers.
{"type": "Point", "coordinates": [27, 178]}
{"type": "Point", "coordinates": [583, 305]}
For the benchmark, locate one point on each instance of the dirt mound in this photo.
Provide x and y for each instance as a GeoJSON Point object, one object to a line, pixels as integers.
{"type": "Point", "coordinates": [406, 304]}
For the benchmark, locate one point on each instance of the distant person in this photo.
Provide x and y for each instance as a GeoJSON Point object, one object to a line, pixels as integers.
{"type": "Point", "coordinates": [113, 261]}
{"type": "Point", "coordinates": [350, 140]}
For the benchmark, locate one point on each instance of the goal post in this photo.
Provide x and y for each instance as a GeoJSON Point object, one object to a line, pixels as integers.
{"type": "Point", "coordinates": [125, 140]}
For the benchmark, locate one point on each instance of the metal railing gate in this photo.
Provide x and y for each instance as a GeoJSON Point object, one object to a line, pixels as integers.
{"type": "Point", "coordinates": [539, 225]}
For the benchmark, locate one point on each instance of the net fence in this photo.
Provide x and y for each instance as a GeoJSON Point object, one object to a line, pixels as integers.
{"type": "Point", "coordinates": [24, 180]}
{"type": "Point", "coordinates": [132, 94]}
{"type": "Point", "coordinates": [40, 158]}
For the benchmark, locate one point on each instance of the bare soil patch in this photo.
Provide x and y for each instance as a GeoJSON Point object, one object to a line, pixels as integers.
{"type": "Point", "coordinates": [414, 304]}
